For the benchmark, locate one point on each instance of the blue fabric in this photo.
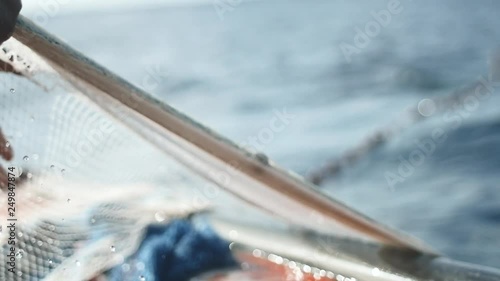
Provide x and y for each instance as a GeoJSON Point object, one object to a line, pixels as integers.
{"type": "Point", "coordinates": [175, 252]}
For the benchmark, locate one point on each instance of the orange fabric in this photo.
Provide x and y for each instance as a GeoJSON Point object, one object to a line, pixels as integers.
{"type": "Point", "coordinates": [264, 270]}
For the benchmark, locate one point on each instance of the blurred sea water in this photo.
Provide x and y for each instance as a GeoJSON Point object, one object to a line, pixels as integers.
{"type": "Point", "coordinates": [234, 74]}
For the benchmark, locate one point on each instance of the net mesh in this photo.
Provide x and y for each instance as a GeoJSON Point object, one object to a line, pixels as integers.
{"type": "Point", "coordinates": [86, 186]}
{"type": "Point", "coordinates": [91, 173]}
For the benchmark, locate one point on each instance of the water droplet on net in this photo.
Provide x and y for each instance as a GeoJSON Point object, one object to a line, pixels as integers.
{"type": "Point", "coordinates": [12, 90]}
{"type": "Point", "coordinates": [426, 107]}
{"type": "Point", "coordinates": [262, 158]}
{"type": "Point", "coordinates": [19, 254]}
{"type": "Point", "coordinates": [113, 249]}
{"type": "Point", "coordinates": [69, 200]}
{"type": "Point", "coordinates": [233, 234]}
{"type": "Point", "coordinates": [26, 158]}
{"type": "Point", "coordinates": [142, 278]}
{"type": "Point", "coordinates": [7, 144]}
{"type": "Point", "coordinates": [159, 216]}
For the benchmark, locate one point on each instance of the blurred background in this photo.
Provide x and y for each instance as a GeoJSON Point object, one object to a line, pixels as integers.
{"type": "Point", "coordinates": [341, 71]}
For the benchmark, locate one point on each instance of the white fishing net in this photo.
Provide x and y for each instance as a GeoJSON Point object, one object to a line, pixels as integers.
{"type": "Point", "coordinates": [87, 185]}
